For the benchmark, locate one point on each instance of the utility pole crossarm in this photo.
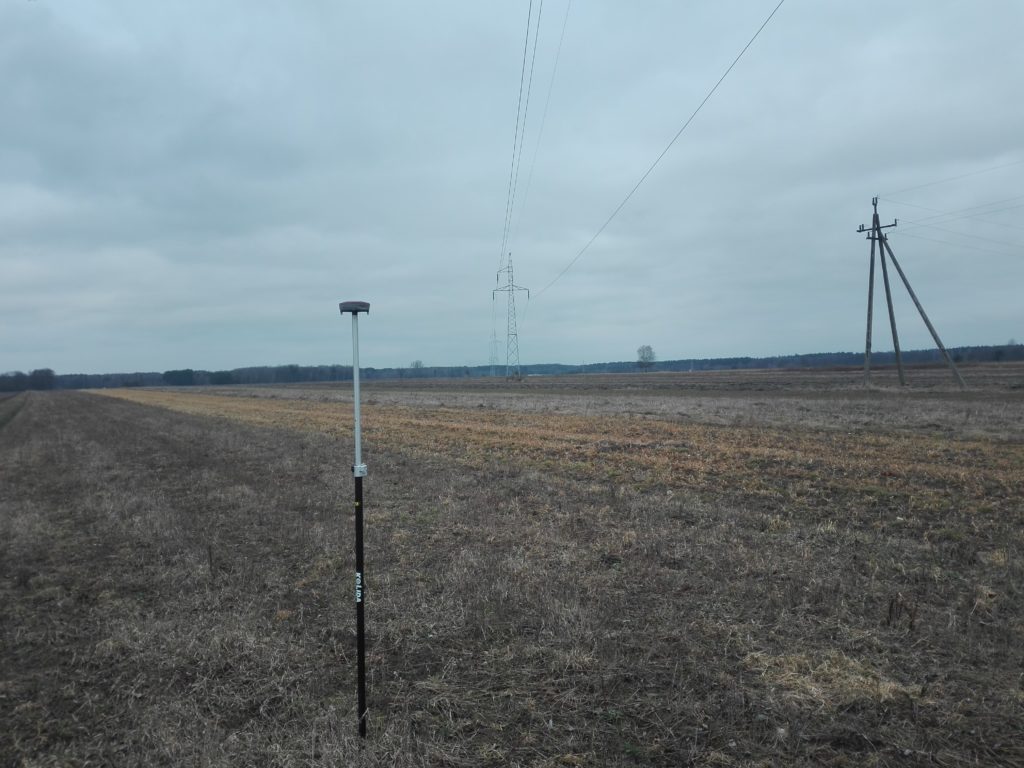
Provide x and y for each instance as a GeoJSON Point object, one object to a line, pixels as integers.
{"type": "Point", "coordinates": [875, 225]}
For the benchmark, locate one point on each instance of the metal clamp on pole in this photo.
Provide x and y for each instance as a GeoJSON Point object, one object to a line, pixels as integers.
{"type": "Point", "coordinates": [358, 472]}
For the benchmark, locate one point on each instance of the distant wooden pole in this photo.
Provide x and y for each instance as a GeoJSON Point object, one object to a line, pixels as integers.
{"type": "Point", "coordinates": [871, 303]}
{"type": "Point", "coordinates": [892, 315]}
{"type": "Point", "coordinates": [924, 316]}
{"type": "Point", "coordinates": [876, 234]}
{"type": "Point", "coordinates": [883, 248]}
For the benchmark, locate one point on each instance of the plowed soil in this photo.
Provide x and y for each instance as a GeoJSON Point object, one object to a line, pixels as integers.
{"type": "Point", "coordinates": [574, 571]}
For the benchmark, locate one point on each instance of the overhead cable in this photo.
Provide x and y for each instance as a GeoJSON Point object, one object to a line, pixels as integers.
{"type": "Point", "coordinates": [940, 214]}
{"type": "Point", "coordinates": [543, 121]}
{"type": "Point", "coordinates": [974, 212]}
{"type": "Point", "coordinates": [526, 112]}
{"type": "Point", "coordinates": [515, 138]}
{"type": "Point", "coordinates": [965, 234]}
{"type": "Point", "coordinates": [954, 178]}
{"type": "Point", "coordinates": [974, 249]}
{"type": "Point", "coordinates": [945, 220]}
{"type": "Point", "coordinates": [664, 152]}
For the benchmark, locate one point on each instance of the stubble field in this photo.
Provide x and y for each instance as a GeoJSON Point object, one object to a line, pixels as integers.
{"type": "Point", "coordinates": [740, 568]}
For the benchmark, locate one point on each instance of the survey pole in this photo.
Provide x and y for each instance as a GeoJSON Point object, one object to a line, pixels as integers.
{"type": "Point", "coordinates": [358, 472]}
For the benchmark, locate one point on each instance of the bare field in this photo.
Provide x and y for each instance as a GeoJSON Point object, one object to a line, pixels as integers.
{"type": "Point", "coordinates": [753, 568]}
{"type": "Point", "coordinates": [993, 405]}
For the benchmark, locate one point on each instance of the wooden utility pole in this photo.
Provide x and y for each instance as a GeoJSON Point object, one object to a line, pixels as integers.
{"type": "Point", "coordinates": [871, 304]}
{"type": "Point", "coordinates": [875, 235]}
{"type": "Point", "coordinates": [924, 316]}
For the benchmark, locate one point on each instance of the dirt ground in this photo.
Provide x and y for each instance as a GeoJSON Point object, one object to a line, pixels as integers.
{"type": "Point", "coordinates": [992, 405]}
{"type": "Point", "coordinates": [743, 568]}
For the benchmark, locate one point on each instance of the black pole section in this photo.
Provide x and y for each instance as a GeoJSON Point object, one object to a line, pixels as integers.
{"type": "Point", "coordinates": [360, 625]}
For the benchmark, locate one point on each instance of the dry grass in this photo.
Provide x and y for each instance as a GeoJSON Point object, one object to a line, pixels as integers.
{"type": "Point", "coordinates": [859, 473]}
{"type": "Point", "coordinates": [544, 588]}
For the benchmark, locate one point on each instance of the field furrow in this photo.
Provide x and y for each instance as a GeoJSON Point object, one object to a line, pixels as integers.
{"type": "Point", "coordinates": [859, 472]}
{"type": "Point", "coordinates": [546, 583]}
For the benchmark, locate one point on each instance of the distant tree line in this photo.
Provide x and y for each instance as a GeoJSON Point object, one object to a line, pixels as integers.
{"type": "Point", "coordinates": [45, 378]}
{"type": "Point", "coordinates": [16, 381]}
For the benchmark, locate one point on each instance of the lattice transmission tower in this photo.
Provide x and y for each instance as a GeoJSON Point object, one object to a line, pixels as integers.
{"type": "Point", "coordinates": [509, 287]}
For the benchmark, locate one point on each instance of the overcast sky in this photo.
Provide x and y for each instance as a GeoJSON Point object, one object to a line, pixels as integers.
{"type": "Point", "coordinates": [197, 184]}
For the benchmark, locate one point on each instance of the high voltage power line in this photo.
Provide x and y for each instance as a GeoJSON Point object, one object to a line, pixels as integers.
{"type": "Point", "coordinates": [974, 212]}
{"type": "Point", "coordinates": [505, 259]}
{"type": "Point", "coordinates": [519, 140]}
{"type": "Point", "coordinates": [951, 178]}
{"type": "Point", "coordinates": [540, 135]}
{"type": "Point", "coordinates": [962, 213]}
{"type": "Point", "coordinates": [664, 152]}
{"type": "Point", "coordinates": [945, 217]}
{"type": "Point", "coordinates": [939, 213]}
{"type": "Point", "coordinates": [964, 234]}
{"type": "Point", "coordinates": [962, 246]}
{"type": "Point", "coordinates": [526, 112]}
{"type": "Point", "coordinates": [543, 118]}
{"type": "Point", "coordinates": [505, 262]}
{"type": "Point", "coordinates": [515, 138]}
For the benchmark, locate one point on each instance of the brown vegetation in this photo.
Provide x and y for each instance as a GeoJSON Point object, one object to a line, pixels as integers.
{"type": "Point", "coordinates": [553, 579]}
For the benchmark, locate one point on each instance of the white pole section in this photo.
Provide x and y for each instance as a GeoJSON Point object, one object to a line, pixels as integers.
{"type": "Point", "coordinates": [355, 307]}
{"type": "Point", "coordinates": [358, 469]}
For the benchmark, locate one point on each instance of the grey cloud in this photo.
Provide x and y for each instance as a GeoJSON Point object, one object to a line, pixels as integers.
{"type": "Point", "coordinates": [198, 184]}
